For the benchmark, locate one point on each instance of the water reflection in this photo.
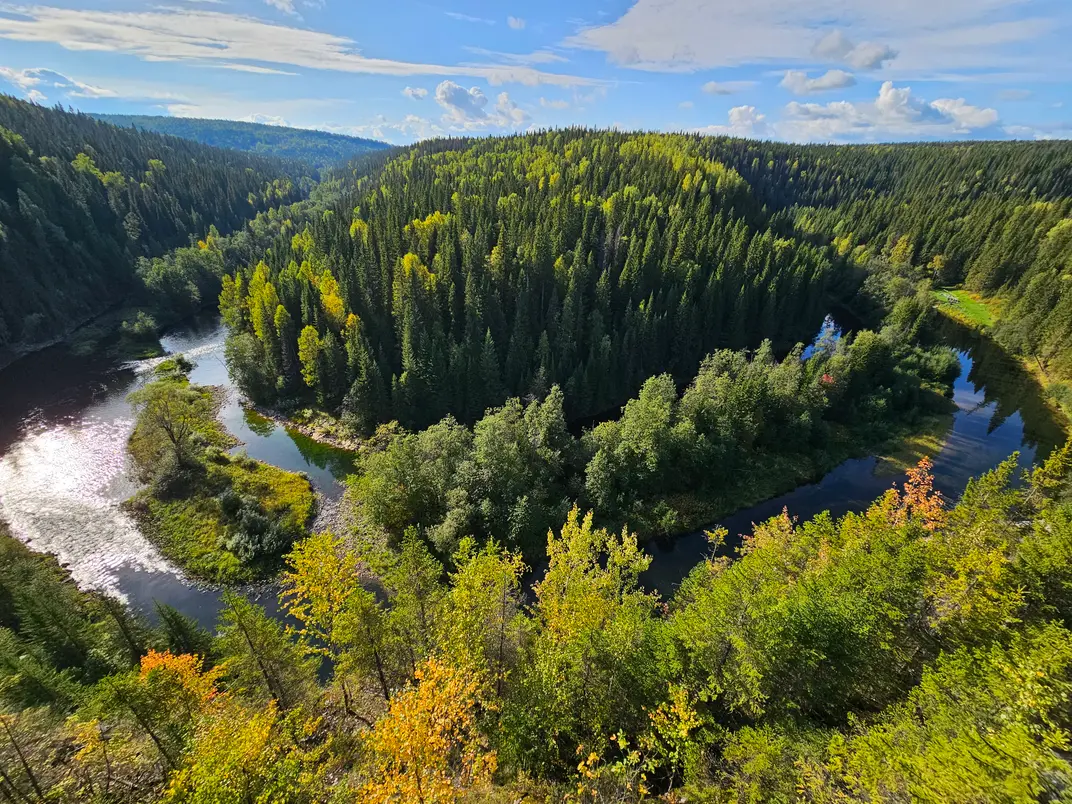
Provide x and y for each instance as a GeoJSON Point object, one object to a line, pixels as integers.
{"type": "Point", "coordinates": [999, 411]}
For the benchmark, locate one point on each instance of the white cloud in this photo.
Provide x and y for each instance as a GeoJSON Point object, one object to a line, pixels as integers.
{"type": "Point", "coordinates": [536, 57]}
{"type": "Point", "coordinates": [686, 105]}
{"type": "Point", "coordinates": [467, 108]}
{"type": "Point", "coordinates": [726, 87]}
{"type": "Point", "coordinates": [254, 68]}
{"type": "Point", "coordinates": [744, 121]}
{"type": "Point", "coordinates": [197, 35]}
{"type": "Point", "coordinates": [967, 117]}
{"type": "Point", "coordinates": [510, 111]}
{"type": "Point", "coordinates": [1015, 94]}
{"type": "Point", "coordinates": [797, 81]}
{"type": "Point", "coordinates": [40, 78]}
{"type": "Point", "coordinates": [895, 114]}
{"type": "Point", "coordinates": [835, 46]}
{"type": "Point", "coordinates": [410, 128]}
{"type": "Point", "coordinates": [461, 105]}
{"type": "Point", "coordinates": [415, 93]}
{"type": "Point", "coordinates": [517, 23]}
{"type": "Point", "coordinates": [265, 119]}
{"type": "Point", "coordinates": [286, 6]}
{"type": "Point", "coordinates": [457, 15]}
{"type": "Point", "coordinates": [689, 35]}
{"type": "Point", "coordinates": [554, 104]}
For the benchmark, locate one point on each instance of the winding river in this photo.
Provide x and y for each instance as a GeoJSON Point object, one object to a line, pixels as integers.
{"type": "Point", "coordinates": [64, 422]}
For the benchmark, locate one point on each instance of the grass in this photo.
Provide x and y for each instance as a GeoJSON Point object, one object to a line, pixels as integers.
{"type": "Point", "coordinates": [193, 531]}
{"type": "Point", "coordinates": [967, 307]}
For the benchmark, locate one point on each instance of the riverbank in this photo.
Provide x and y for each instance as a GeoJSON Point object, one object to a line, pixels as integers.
{"type": "Point", "coordinates": [316, 425]}
{"type": "Point", "coordinates": [771, 476]}
{"type": "Point", "coordinates": [980, 315]}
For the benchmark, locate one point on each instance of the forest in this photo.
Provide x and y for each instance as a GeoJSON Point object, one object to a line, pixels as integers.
{"type": "Point", "coordinates": [552, 348]}
{"type": "Point", "coordinates": [84, 204]}
{"type": "Point", "coordinates": [321, 149]}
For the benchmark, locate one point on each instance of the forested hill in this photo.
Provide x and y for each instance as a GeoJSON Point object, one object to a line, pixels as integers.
{"type": "Point", "coordinates": [318, 148]}
{"type": "Point", "coordinates": [82, 200]}
{"type": "Point", "coordinates": [466, 271]}
{"type": "Point", "coordinates": [993, 216]}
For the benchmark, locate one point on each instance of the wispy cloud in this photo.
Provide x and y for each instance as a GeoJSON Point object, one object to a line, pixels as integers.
{"type": "Point", "coordinates": [203, 36]}
{"type": "Point", "coordinates": [456, 15]}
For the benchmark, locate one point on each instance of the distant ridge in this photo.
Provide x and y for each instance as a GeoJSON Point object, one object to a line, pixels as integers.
{"type": "Point", "coordinates": [318, 148]}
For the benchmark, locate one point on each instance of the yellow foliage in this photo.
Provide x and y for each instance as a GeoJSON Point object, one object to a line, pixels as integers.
{"type": "Point", "coordinates": [428, 747]}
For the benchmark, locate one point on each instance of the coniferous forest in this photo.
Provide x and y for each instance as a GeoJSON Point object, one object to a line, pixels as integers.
{"type": "Point", "coordinates": [321, 149]}
{"type": "Point", "coordinates": [550, 348]}
{"type": "Point", "coordinates": [81, 202]}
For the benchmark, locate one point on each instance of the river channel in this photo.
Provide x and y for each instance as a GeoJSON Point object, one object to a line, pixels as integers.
{"type": "Point", "coordinates": [64, 422]}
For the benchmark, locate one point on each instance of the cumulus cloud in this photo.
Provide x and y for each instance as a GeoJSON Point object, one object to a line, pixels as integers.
{"type": "Point", "coordinates": [726, 87]}
{"type": "Point", "coordinates": [200, 36]}
{"type": "Point", "coordinates": [797, 81]}
{"type": "Point", "coordinates": [689, 35]}
{"type": "Point", "coordinates": [461, 105]}
{"type": "Point", "coordinates": [468, 108]}
{"type": "Point", "coordinates": [415, 93]}
{"type": "Point", "coordinates": [895, 114]}
{"type": "Point", "coordinates": [34, 80]}
{"type": "Point", "coordinates": [744, 121]}
{"type": "Point", "coordinates": [265, 119]}
{"type": "Point", "coordinates": [835, 46]}
{"type": "Point", "coordinates": [517, 23]}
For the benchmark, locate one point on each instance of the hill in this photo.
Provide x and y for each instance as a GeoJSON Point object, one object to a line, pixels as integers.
{"type": "Point", "coordinates": [318, 148]}
{"type": "Point", "coordinates": [82, 200]}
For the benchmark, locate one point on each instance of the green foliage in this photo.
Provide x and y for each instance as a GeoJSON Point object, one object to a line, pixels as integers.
{"type": "Point", "coordinates": [223, 518]}
{"type": "Point", "coordinates": [317, 148]}
{"type": "Point", "coordinates": [82, 226]}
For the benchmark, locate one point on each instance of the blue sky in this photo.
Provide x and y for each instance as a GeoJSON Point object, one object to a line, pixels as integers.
{"type": "Point", "coordinates": [401, 70]}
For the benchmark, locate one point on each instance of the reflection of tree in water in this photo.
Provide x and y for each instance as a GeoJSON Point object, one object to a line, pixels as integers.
{"type": "Point", "coordinates": [1005, 383]}
{"type": "Point", "coordinates": [258, 424]}
{"type": "Point", "coordinates": [339, 462]}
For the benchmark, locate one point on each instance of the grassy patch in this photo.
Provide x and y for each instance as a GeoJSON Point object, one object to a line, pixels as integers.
{"type": "Point", "coordinates": [194, 531]}
{"type": "Point", "coordinates": [967, 307]}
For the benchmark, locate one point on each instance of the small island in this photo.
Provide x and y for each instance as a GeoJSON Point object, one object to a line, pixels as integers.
{"type": "Point", "coordinates": [223, 518]}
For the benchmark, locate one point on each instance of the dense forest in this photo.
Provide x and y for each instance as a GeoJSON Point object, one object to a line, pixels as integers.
{"type": "Point", "coordinates": [916, 651]}
{"type": "Point", "coordinates": [468, 271]}
{"type": "Point", "coordinates": [465, 272]}
{"type": "Point", "coordinates": [321, 149]}
{"type": "Point", "coordinates": [81, 202]}
{"type": "Point", "coordinates": [553, 347]}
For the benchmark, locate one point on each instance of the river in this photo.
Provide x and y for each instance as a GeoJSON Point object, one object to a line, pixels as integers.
{"type": "Point", "coordinates": [64, 422]}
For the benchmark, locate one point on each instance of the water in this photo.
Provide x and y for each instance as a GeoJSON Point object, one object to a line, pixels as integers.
{"type": "Point", "coordinates": [998, 413]}
{"type": "Point", "coordinates": [64, 421]}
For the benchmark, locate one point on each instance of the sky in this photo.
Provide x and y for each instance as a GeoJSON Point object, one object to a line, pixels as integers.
{"type": "Point", "coordinates": [404, 70]}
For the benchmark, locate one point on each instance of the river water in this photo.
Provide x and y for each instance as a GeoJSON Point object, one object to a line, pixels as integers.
{"type": "Point", "coordinates": [64, 421]}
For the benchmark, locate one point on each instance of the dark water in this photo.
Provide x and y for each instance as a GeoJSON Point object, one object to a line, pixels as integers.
{"type": "Point", "coordinates": [999, 412]}
{"type": "Point", "coordinates": [64, 421]}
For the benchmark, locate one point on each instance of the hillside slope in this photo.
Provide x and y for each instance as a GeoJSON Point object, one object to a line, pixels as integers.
{"type": "Point", "coordinates": [318, 148]}
{"type": "Point", "coordinates": [82, 200]}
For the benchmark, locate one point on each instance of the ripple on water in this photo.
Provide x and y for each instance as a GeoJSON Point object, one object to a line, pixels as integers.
{"type": "Point", "coordinates": [60, 490]}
